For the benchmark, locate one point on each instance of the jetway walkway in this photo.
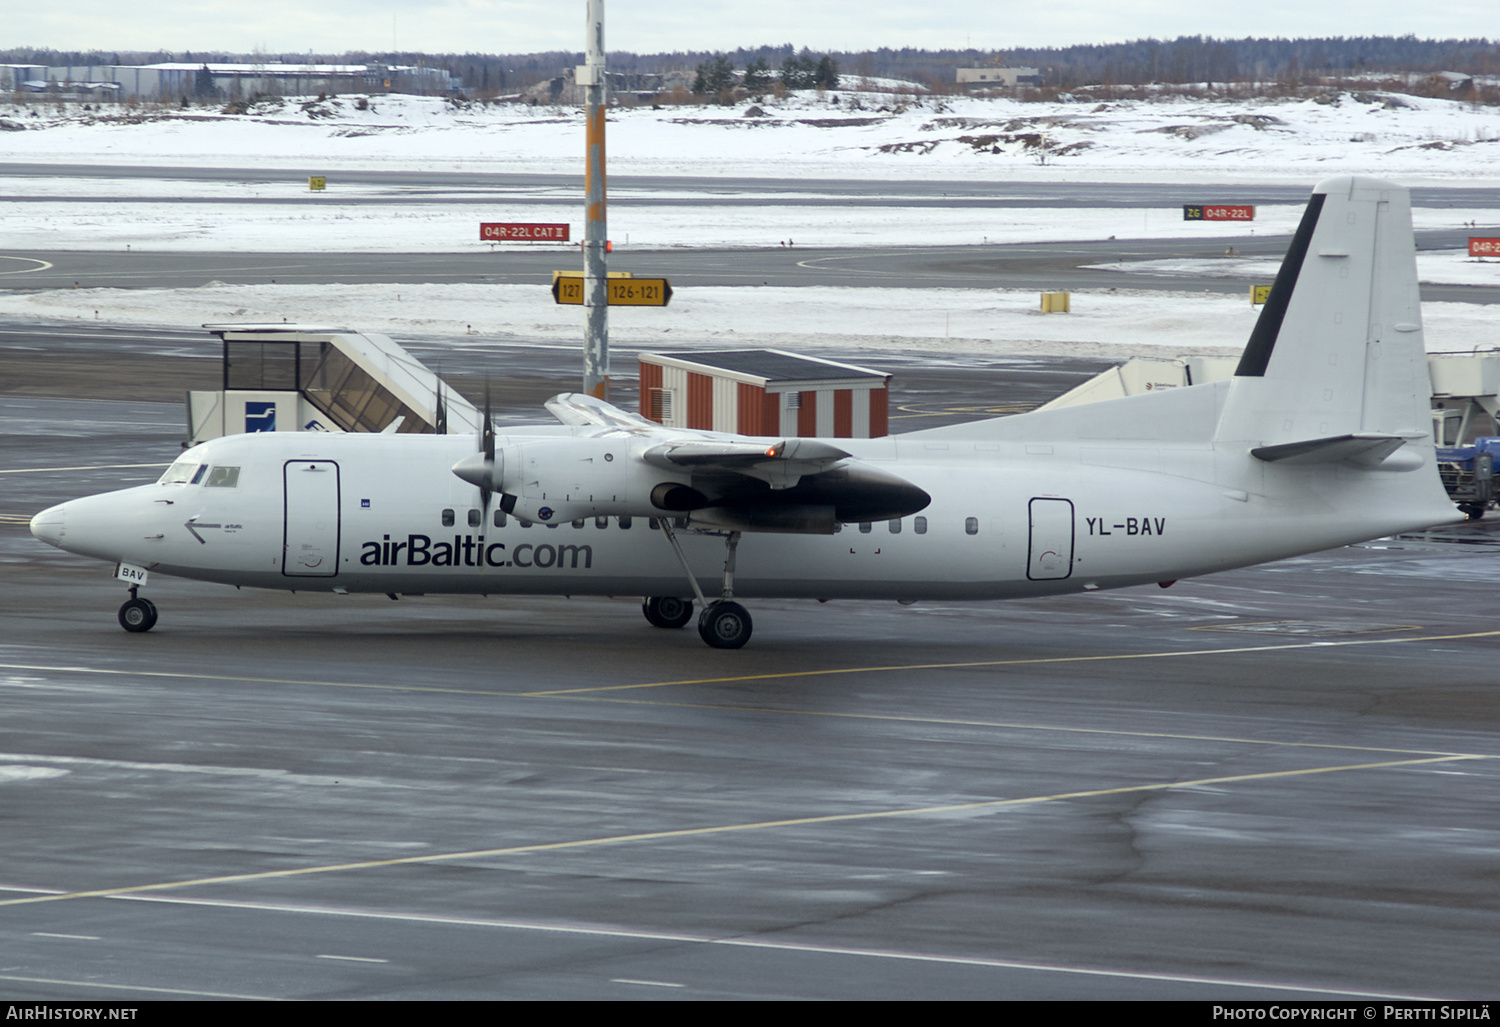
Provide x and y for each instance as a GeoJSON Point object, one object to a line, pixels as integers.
{"type": "Point", "coordinates": [290, 377]}
{"type": "Point", "coordinates": [1465, 387]}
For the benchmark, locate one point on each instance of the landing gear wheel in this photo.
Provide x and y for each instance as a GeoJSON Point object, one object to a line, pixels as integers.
{"type": "Point", "coordinates": [138, 615]}
{"type": "Point", "coordinates": [668, 611]}
{"type": "Point", "coordinates": [1474, 511]}
{"type": "Point", "coordinates": [725, 625]}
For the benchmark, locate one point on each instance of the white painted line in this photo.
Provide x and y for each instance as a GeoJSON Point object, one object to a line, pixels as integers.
{"type": "Point", "coordinates": [354, 959]}
{"type": "Point", "coordinates": [42, 265]}
{"type": "Point", "coordinates": [648, 984]}
{"type": "Point", "coordinates": [75, 937]}
{"type": "Point", "coordinates": [90, 467]}
{"type": "Point", "coordinates": [139, 987]}
{"type": "Point", "coordinates": [605, 931]}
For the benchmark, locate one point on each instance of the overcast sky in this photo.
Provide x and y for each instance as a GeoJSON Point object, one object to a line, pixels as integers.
{"type": "Point", "coordinates": [650, 26]}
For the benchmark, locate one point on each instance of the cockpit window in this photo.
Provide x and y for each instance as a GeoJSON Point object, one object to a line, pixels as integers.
{"type": "Point", "coordinates": [181, 473]}
{"type": "Point", "coordinates": [223, 478]}
{"type": "Point", "coordinates": [198, 474]}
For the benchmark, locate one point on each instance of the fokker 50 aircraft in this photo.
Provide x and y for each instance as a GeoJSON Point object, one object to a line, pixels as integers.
{"type": "Point", "coordinates": [1322, 438]}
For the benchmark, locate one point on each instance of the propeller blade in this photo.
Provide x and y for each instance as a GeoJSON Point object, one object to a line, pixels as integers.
{"type": "Point", "coordinates": [487, 447]}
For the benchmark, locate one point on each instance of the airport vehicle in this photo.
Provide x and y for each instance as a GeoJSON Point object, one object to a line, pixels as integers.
{"type": "Point", "coordinates": [1468, 474]}
{"type": "Point", "coordinates": [1321, 438]}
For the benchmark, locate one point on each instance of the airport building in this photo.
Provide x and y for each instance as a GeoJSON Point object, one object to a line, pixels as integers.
{"type": "Point", "coordinates": [170, 81]}
{"type": "Point", "coordinates": [764, 392]}
{"type": "Point", "coordinates": [995, 76]}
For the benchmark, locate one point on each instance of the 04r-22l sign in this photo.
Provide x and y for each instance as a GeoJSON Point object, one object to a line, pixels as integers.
{"type": "Point", "coordinates": [623, 292]}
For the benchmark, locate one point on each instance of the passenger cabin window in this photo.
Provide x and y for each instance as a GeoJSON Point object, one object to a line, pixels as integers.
{"type": "Point", "coordinates": [223, 478]}
{"type": "Point", "coordinates": [864, 527]}
{"type": "Point", "coordinates": [896, 526]}
{"type": "Point", "coordinates": [499, 518]}
{"type": "Point", "coordinates": [447, 518]}
{"type": "Point", "coordinates": [600, 522]}
{"type": "Point", "coordinates": [180, 473]}
{"type": "Point", "coordinates": [578, 523]}
{"type": "Point", "coordinates": [971, 525]}
{"type": "Point", "coordinates": [475, 518]}
{"type": "Point", "coordinates": [919, 525]}
{"type": "Point", "coordinates": [524, 524]}
{"type": "Point", "coordinates": [624, 523]}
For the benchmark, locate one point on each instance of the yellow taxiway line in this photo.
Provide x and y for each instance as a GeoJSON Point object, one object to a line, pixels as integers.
{"type": "Point", "coordinates": [698, 832]}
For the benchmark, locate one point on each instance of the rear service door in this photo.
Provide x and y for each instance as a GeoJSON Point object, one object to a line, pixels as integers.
{"type": "Point", "coordinates": [1051, 539]}
{"type": "Point", "coordinates": [310, 547]}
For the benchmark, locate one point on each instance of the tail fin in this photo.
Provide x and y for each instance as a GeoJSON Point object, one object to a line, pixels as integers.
{"type": "Point", "coordinates": [1337, 356]}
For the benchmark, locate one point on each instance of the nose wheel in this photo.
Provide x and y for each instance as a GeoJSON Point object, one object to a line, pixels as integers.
{"type": "Point", "coordinates": [725, 625]}
{"type": "Point", "coordinates": [137, 614]}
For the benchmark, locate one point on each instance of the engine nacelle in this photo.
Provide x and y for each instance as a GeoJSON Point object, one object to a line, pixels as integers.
{"type": "Point", "coordinates": [563, 479]}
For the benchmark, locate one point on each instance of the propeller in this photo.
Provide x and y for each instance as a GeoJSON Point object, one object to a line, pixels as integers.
{"type": "Point", "coordinates": [487, 447]}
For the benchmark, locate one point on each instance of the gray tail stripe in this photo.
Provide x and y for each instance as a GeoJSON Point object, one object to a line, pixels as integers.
{"type": "Point", "coordinates": [1263, 339]}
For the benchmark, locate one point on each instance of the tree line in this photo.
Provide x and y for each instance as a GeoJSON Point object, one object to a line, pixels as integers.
{"type": "Point", "coordinates": [1186, 59]}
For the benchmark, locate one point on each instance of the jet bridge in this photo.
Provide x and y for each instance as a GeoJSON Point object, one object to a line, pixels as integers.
{"type": "Point", "coordinates": [293, 377]}
{"type": "Point", "coordinates": [1465, 387]}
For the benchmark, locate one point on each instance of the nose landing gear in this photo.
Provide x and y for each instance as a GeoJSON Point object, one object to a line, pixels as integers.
{"type": "Point", "coordinates": [137, 614]}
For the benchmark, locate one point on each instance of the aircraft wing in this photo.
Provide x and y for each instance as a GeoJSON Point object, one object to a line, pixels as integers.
{"type": "Point", "coordinates": [581, 410]}
{"type": "Point", "coordinates": [633, 466]}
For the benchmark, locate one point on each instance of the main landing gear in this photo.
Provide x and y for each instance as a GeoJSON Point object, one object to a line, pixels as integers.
{"type": "Point", "coordinates": [137, 614]}
{"type": "Point", "coordinates": [668, 611]}
{"type": "Point", "coordinates": [724, 623]}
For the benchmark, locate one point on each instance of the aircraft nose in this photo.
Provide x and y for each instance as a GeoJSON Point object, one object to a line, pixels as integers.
{"type": "Point", "coordinates": [48, 525]}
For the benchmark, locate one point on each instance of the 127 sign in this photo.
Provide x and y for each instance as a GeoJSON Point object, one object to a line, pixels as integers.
{"type": "Point", "coordinates": [1218, 212]}
{"type": "Point", "coordinates": [497, 231]}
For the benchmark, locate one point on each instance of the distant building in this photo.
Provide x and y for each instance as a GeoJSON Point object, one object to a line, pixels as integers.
{"type": "Point", "coordinates": [1000, 76]}
{"type": "Point", "coordinates": [564, 89]}
{"type": "Point", "coordinates": [230, 81]}
{"type": "Point", "coordinates": [1456, 81]}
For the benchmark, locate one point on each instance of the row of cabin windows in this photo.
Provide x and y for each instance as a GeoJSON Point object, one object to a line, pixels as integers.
{"type": "Point", "coordinates": [476, 519]}
{"type": "Point", "coordinates": [918, 525]}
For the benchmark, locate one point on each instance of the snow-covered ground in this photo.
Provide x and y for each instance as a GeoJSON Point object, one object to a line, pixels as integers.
{"type": "Point", "coordinates": [1434, 267]}
{"type": "Point", "coordinates": [862, 135]}
{"type": "Point", "coordinates": [1111, 325]}
{"type": "Point", "coordinates": [871, 136]}
{"type": "Point", "coordinates": [303, 225]}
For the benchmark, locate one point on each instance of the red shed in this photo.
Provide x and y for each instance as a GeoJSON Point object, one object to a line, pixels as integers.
{"type": "Point", "coordinates": [764, 392]}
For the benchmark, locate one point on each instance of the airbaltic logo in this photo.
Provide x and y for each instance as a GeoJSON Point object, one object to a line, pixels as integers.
{"type": "Point", "coordinates": [472, 551]}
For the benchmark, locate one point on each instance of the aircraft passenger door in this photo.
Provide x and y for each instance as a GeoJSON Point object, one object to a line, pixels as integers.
{"type": "Point", "coordinates": [1051, 547]}
{"type": "Point", "coordinates": [310, 546]}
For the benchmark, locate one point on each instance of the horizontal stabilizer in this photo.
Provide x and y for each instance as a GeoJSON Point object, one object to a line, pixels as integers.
{"type": "Point", "coordinates": [1361, 447]}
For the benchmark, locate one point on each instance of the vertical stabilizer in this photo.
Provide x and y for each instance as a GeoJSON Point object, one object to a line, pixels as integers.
{"type": "Point", "coordinates": [1338, 349]}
